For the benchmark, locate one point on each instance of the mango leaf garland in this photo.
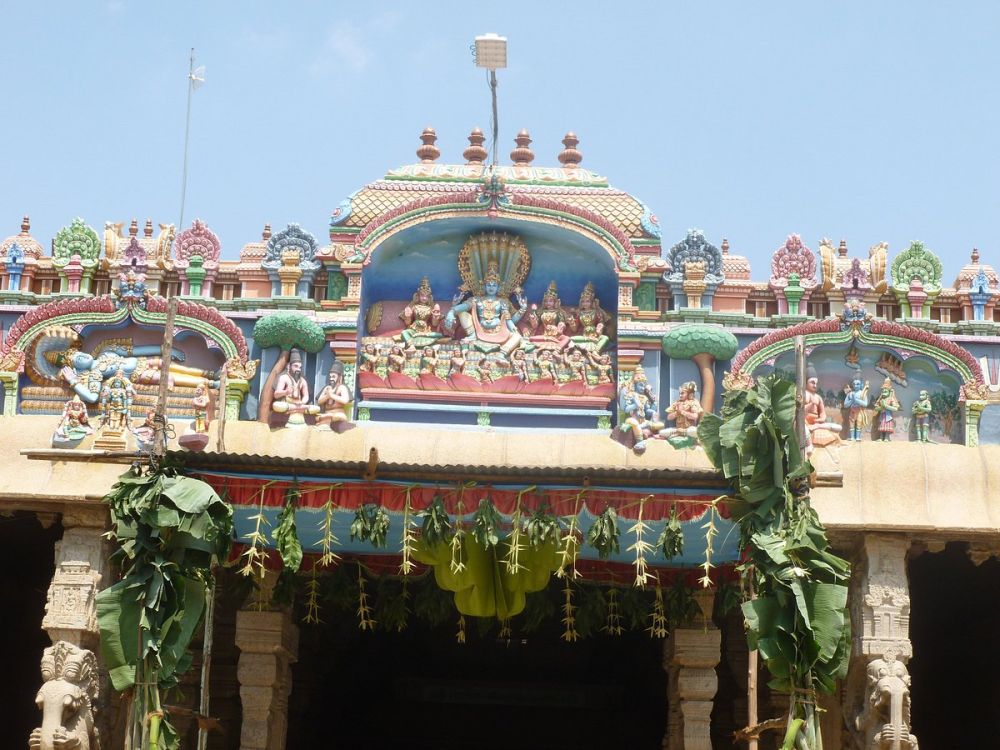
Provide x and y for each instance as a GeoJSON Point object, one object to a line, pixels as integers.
{"type": "Point", "coordinates": [671, 541]}
{"type": "Point", "coordinates": [603, 533]}
{"type": "Point", "coordinates": [799, 620]}
{"type": "Point", "coordinates": [486, 523]}
{"type": "Point", "coordinates": [286, 538]}
{"type": "Point", "coordinates": [542, 527]}
{"type": "Point", "coordinates": [371, 524]}
{"type": "Point", "coordinates": [436, 527]}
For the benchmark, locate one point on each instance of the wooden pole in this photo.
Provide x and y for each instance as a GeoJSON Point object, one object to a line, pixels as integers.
{"type": "Point", "coordinates": [160, 442]}
{"type": "Point", "coordinates": [752, 669]}
{"type": "Point", "coordinates": [220, 442]}
{"type": "Point", "coordinates": [800, 388]}
{"type": "Point", "coordinates": [206, 663]}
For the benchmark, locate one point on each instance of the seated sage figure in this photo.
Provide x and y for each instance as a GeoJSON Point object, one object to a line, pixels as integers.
{"type": "Point", "coordinates": [488, 318]}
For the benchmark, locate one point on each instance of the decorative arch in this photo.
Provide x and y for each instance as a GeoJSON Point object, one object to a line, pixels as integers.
{"type": "Point", "coordinates": [218, 331]}
{"type": "Point", "coordinates": [491, 202]}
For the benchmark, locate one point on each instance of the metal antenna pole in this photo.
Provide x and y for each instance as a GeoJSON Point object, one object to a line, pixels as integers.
{"type": "Point", "coordinates": [187, 133]}
{"type": "Point", "coordinates": [496, 121]}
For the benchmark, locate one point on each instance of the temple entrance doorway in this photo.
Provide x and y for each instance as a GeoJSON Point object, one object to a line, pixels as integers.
{"type": "Point", "coordinates": [26, 565]}
{"type": "Point", "coordinates": [954, 619]}
{"type": "Point", "coordinates": [421, 689]}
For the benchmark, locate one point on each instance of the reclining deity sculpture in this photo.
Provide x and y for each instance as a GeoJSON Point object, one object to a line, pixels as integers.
{"type": "Point", "coordinates": [291, 392]}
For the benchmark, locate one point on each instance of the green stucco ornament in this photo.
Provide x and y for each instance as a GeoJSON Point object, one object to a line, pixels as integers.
{"type": "Point", "coordinates": [704, 344]}
{"type": "Point", "coordinates": [76, 239]}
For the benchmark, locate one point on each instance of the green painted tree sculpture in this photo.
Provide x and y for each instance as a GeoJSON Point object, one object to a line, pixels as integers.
{"type": "Point", "coordinates": [287, 331]}
{"type": "Point", "coordinates": [704, 344]}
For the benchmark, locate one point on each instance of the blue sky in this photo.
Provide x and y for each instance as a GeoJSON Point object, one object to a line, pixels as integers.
{"type": "Point", "coordinates": [857, 120]}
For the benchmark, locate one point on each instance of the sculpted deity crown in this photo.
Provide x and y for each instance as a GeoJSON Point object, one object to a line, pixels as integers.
{"type": "Point", "coordinates": [423, 290]}
{"type": "Point", "coordinates": [553, 291]}
{"type": "Point", "coordinates": [292, 237]}
{"type": "Point", "coordinates": [494, 256]}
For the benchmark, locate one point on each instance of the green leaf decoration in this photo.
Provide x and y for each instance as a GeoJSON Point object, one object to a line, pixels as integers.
{"type": "Point", "coordinates": [371, 524]}
{"type": "Point", "coordinates": [798, 620]}
{"type": "Point", "coordinates": [286, 538]}
{"type": "Point", "coordinates": [603, 533]}
{"type": "Point", "coordinates": [542, 527]}
{"type": "Point", "coordinates": [671, 541]}
{"type": "Point", "coordinates": [486, 523]}
{"type": "Point", "coordinates": [436, 528]}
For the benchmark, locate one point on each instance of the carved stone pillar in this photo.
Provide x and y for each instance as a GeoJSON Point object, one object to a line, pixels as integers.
{"type": "Point", "coordinates": [690, 656]}
{"type": "Point", "coordinates": [269, 644]}
{"type": "Point", "coordinates": [879, 683]}
{"type": "Point", "coordinates": [81, 564]}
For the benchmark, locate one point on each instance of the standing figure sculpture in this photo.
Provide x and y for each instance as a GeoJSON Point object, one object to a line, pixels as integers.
{"type": "Point", "coordinates": [116, 402]}
{"type": "Point", "coordinates": [820, 430]}
{"type": "Point", "coordinates": [590, 329]}
{"type": "Point", "coordinates": [291, 392]}
{"type": "Point", "coordinates": [885, 406]}
{"type": "Point", "coordinates": [489, 320]}
{"type": "Point", "coordinates": [200, 401]}
{"type": "Point", "coordinates": [921, 411]}
{"type": "Point", "coordinates": [685, 413]}
{"type": "Point", "coordinates": [333, 400]}
{"type": "Point", "coordinates": [856, 403]}
{"type": "Point", "coordinates": [422, 318]}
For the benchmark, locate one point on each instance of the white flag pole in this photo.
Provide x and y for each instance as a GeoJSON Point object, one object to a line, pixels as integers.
{"type": "Point", "coordinates": [196, 77]}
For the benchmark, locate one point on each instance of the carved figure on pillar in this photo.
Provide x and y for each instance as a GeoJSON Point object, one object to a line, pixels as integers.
{"type": "Point", "coordinates": [333, 400]}
{"type": "Point", "coordinates": [291, 392]}
{"type": "Point", "coordinates": [885, 719]}
{"type": "Point", "coordinates": [67, 699]}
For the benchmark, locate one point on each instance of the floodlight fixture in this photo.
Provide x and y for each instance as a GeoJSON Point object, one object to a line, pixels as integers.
{"type": "Point", "coordinates": [491, 51]}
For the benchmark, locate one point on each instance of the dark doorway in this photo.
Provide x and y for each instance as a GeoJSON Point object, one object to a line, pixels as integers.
{"type": "Point", "coordinates": [420, 689]}
{"type": "Point", "coordinates": [26, 566]}
{"type": "Point", "coordinates": [954, 621]}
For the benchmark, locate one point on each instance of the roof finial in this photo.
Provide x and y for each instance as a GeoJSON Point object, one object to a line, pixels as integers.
{"type": "Point", "coordinates": [570, 157]}
{"type": "Point", "coordinates": [266, 234]}
{"type": "Point", "coordinates": [522, 156]}
{"type": "Point", "coordinates": [725, 246]}
{"type": "Point", "coordinates": [428, 152]}
{"type": "Point", "coordinates": [475, 153]}
{"type": "Point", "coordinates": [975, 255]}
{"type": "Point", "coordinates": [25, 225]}
{"type": "Point", "coordinates": [133, 228]}
{"type": "Point", "coordinates": [842, 250]}
{"type": "Point", "coordinates": [147, 231]}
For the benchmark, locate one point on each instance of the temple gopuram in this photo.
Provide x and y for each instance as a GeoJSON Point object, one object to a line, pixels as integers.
{"type": "Point", "coordinates": [457, 425]}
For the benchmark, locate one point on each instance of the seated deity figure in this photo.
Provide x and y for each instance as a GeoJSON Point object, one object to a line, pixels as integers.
{"type": "Point", "coordinates": [645, 393]}
{"type": "Point", "coordinates": [549, 324]}
{"type": "Point", "coordinates": [820, 429]}
{"type": "Point", "coordinates": [84, 373]}
{"type": "Point", "coordinates": [422, 318]}
{"type": "Point", "coordinates": [685, 412]}
{"type": "Point", "coordinates": [291, 392]}
{"type": "Point", "coordinates": [589, 327]}
{"type": "Point", "coordinates": [74, 423]}
{"type": "Point", "coordinates": [634, 419]}
{"type": "Point", "coordinates": [856, 403]}
{"type": "Point", "coordinates": [488, 319]}
{"type": "Point", "coordinates": [333, 400]}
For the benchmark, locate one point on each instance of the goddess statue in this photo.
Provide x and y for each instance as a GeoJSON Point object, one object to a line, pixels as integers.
{"type": "Point", "coordinates": [549, 324]}
{"type": "Point", "coordinates": [333, 400]}
{"type": "Point", "coordinates": [921, 411]}
{"type": "Point", "coordinates": [74, 423]}
{"type": "Point", "coordinates": [291, 392]}
{"type": "Point", "coordinates": [885, 406]}
{"type": "Point", "coordinates": [489, 320]}
{"type": "Point", "coordinates": [421, 317]}
{"type": "Point", "coordinates": [591, 321]}
{"type": "Point", "coordinates": [856, 403]}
